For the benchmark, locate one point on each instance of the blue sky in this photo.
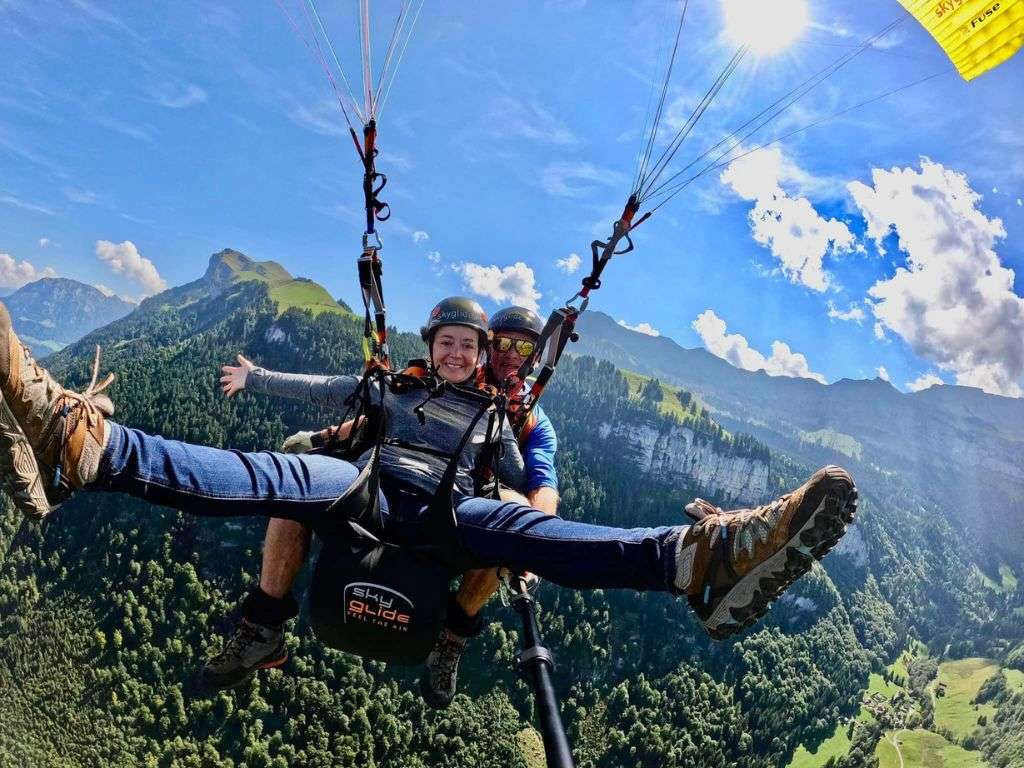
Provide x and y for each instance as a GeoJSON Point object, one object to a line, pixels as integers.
{"type": "Point", "coordinates": [137, 139]}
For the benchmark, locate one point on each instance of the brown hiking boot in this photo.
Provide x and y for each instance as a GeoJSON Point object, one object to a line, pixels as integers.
{"type": "Point", "coordinates": [65, 429]}
{"type": "Point", "coordinates": [732, 565]}
{"type": "Point", "coordinates": [19, 471]}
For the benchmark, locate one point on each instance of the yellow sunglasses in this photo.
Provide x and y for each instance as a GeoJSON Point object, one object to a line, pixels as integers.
{"type": "Point", "coordinates": [524, 347]}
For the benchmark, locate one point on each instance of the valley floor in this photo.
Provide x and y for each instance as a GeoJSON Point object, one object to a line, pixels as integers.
{"type": "Point", "coordinates": [888, 701]}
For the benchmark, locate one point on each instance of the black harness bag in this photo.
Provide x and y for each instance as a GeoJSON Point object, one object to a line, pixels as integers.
{"type": "Point", "coordinates": [377, 598]}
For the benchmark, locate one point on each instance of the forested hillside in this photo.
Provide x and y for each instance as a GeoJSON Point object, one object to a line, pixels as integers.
{"type": "Point", "coordinates": [109, 609]}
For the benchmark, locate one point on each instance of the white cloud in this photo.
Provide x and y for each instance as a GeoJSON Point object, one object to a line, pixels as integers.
{"type": "Point", "coordinates": [125, 259]}
{"type": "Point", "coordinates": [131, 130]}
{"type": "Point", "coordinates": [324, 118]}
{"type": "Point", "coordinates": [645, 328]}
{"type": "Point", "coordinates": [854, 313]}
{"type": "Point", "coordinates": [569, 264]}
{"type": "Point", "coordinates": [15, 202]}
{"type": "Point", "coordinates": [419, 236]}
{"type": "Point", "coordinates": [953, 301]}
{"type": "Point", "coordinates": [790, 227]}
{"type": "Point", "coordinates": [734, 348]}
{"type": "Point", "coordinates": [575, 178]}
{"type": "Point", "coordinates": [45, 242]}
{"type": "Point", "coordinates": [81, 196]}
{"type": "Point", "coordinates": [14, 274]}
{"type": "Point", "coordinates": [883, 374]}
{"type": "Point", "coordinates": [509, 116]}
{"type": "Point", "coordinates": [924, 381]}
{"type": "Point", "coordinates": [1020, 202]}
{"type": "Point", "coordinates": [513, 285]}
{"type": "Point", "coordinates": [103, 289]}
{"type": "Point", "coordinates": [434, 257]}
{"type": "Point", "coordinates": [174, 96]}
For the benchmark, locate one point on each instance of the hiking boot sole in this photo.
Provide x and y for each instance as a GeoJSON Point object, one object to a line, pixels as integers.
{"type": "Point", "coordinates": [752, 595]}
{"type": "Point", "coordinates": [19, 471]}
{"type": "Point", "coordinates": [433, 699]}
{"type": "Point", "coordinates": [227, 682]}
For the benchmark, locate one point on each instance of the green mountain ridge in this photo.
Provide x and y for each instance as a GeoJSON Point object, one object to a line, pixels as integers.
{"type": "Point", "coordinates": [116, 603]}
{"type": "Point", "coordinates": [229, 268]}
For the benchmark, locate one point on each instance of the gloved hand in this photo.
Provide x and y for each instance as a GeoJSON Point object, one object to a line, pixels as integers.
{"type": "Point", "coordinates": [300, 442]}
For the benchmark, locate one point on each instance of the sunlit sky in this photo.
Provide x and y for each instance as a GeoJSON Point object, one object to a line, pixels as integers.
{"type": "Point", "coordinates": [136, 139]}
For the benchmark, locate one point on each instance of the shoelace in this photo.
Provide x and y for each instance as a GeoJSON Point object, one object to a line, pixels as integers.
{"type": "Point", "coordinates": [749, 526]}
{"type": "Point", "coordinates": [244, 636]}
{"type": "Point", "coordinates": [89, 404]}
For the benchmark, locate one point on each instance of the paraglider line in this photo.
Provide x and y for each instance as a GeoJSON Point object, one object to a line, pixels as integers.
{"type": "Point", "coordinates": [398, 62]}
{"type": "Point", "coordinates": [341, 70]}
{"type": "Point", "coordinates": [719, 163]}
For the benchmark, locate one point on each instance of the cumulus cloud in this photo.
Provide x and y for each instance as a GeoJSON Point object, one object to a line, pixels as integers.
{"type": "Point", "coordinates": [125, 259]}
{"type": "Point", "coordinates": [645, 328]}
{"type": "Point", "coordinates": [14, 274]}
{"type": "Point", "coordinates": [506, 285]}
{"type": "Point", "coordinates": [798, 237]}
{"type": "Point", "coordinates": [883, 374]}
{"type": "Point", "coordinates": [419, 236]}
{"type": "Point", "coordinates": [734, 348]}
{"type": "Point", "coordinates": [45, 242]}
{"type": "Point", "coordinates": [924, 381]}
{"type": "Point", "coordinates": [434, 257]}
{"type": "Point", "coordinates": [854, 313]}
{"type": "Point", "coordinates": [576, 178]}
{"type": "Point", "coordinates": [103, 289]}
{"type": "Point", "coordinates": [952, 301]}
{"type": "Point", "coordinates": [569, 264]}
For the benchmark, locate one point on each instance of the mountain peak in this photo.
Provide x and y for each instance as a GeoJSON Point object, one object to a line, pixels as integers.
{"type": "Point", "coordinates": [231, 266]}
{"type": "Point", "coordinates": [55, 311]}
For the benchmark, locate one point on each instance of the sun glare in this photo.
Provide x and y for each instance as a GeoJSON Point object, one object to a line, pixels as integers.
{"type": "Point", "coordinates": [767, 26]}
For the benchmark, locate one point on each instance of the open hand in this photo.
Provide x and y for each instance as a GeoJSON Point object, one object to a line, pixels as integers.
{"type": "Point", "coordinates": [235, 376]}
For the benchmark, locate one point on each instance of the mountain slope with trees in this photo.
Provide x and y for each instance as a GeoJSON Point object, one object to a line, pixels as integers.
{"type": "Point", "coordinates": [115, 604]}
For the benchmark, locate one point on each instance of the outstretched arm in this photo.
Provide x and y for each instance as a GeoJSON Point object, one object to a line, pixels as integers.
{"type": "Point", "coordinates": [331, 391]}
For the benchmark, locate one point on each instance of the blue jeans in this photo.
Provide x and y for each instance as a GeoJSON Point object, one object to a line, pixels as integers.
{"type": "Point", "coordinates": [215, 482]}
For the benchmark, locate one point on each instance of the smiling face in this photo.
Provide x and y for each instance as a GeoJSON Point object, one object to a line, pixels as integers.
{"type": "Point", "coordinates": [455, 352]}
{"type": "Point", "coordinates": [504, 364]}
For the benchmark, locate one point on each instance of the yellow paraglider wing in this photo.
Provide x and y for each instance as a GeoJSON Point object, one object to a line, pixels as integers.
{"type": "Point", "coordinates": [976, 34]}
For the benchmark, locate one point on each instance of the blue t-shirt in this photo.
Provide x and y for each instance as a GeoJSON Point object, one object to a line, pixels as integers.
{"type": "Point", "coordinates": [539, 454]}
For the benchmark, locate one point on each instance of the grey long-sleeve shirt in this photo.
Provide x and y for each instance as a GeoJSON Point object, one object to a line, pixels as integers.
{"type": "Point", "coordinates": [447, 417]}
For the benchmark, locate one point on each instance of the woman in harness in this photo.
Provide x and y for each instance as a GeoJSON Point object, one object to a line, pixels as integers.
{"type": "Point", "coordinates": [730, 566]}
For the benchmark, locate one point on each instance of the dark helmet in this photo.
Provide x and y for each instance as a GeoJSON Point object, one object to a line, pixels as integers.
{"type": "Point", "coordinates": [456, 310]}
{"type": "Point", "coordinates": [517, 319]}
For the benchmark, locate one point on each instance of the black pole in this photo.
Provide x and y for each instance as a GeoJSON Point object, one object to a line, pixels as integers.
{"type": "Point", "coordinates": [536, 664]}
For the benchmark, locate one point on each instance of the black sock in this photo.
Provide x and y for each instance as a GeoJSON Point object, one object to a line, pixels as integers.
{"type": "Point", "coordinates": [460, 623]}
{"type": "Point", "coordinates": [261, 608]}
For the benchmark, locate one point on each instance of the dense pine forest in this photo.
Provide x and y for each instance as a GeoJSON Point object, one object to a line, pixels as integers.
{"type": "Point", "coordinates": [108, 611]}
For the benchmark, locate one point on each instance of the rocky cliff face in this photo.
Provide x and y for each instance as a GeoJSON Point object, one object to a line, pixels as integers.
{"type": "Point", "coordinates": [675, 453]}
